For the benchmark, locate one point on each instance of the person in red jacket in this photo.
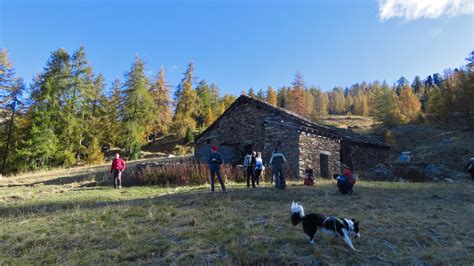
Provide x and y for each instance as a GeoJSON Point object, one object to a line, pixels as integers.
{"type": "Point", "coordinates": [118, 166]}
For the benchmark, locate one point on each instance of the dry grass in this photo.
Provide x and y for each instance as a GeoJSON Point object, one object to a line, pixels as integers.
{"type": "Point", "coordinates": [60, 176]}
{"type": "Point", "coordinates": [402, 223]}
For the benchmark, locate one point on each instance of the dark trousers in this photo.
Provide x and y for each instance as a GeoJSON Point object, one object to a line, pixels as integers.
{"type": "Point", "coordinates": [471, 171]}
{"type": "Point", "coordinates": [258, 172]}
{"type": "Point", "coordinates": [117, 178]}
{"type": "Point", "coordinates": [344, 187]}
{"type": "Point", "coordinates": [250, 175]}
{"type": "Point", "coordinates": [280, 182]}
{"type": "Point", "coordinates": [219, 176]}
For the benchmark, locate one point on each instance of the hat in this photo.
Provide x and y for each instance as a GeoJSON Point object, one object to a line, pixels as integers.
{"type": "Point", "coordinates": [214, 148]}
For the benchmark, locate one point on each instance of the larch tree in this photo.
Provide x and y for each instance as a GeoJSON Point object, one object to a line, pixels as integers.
{"type": "Point", "coordinates": [409, 104]}
{"type": "Point", "coordinates": [187, 106]}
{"type": "Point", "coordinates": [295, 99]}
{"type": "Point", "coordinates": [138, 109]}
{"type": "Point", "coordinates": [271, 96]}
{"type": "Point", "coordinates": [49, 122]}
{"type": "Point", "coordinates": [163, 116]}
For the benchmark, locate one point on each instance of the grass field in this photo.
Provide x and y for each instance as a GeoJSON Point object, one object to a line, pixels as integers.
{"type": "Point", "coordinates": [401, 223]}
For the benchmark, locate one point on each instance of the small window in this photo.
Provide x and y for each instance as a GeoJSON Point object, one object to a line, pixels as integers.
{"type": "Point", "coordinates": [208, 141]}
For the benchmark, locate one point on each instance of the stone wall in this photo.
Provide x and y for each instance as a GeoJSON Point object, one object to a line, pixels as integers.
{"type": "Point", "coordinates": [365, 157]}
{"type": "Point", "coordinates": [245, 125]}
{"type": "Point", "coordinates": [284, 137]}
{"type": "Point", "coordinates": [311, 146]}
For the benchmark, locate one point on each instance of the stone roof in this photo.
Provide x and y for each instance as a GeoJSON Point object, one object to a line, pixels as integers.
{"type": "Point", "coordinates": [304, 123]}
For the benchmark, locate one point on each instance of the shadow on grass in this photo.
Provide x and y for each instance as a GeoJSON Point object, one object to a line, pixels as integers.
{"type": "Point", "coordinates": [311, 196]}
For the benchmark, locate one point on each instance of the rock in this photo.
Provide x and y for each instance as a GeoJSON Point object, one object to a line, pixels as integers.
{"type": "Point", "coordinates": [449, 180]}
{"type": "Point", "coordinates": [433, 169]}
{"type": "Point", "coordinates": [446, 141]}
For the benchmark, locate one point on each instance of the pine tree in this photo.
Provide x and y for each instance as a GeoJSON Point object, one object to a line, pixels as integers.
{"type": "Point", "coordinates": [138, 109]}
{"type": "Point", "coordinates": [251, 93]}
{"type": "Point", "coordinates": [11, 90]}
{"type": "Point", "coordinates": [271, 96]}
{"type": "Point", "coordinates": [281, 97]}
{"type": "Point", "coordinates": [261, 95]}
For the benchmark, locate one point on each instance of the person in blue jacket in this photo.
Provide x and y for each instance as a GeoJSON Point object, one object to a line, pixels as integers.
{"type": "Point", "coordinates": [215, 162]}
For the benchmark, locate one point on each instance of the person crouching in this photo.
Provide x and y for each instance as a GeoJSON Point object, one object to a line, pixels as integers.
{"type": "Point", "coordinates": [345, 182]}
{"type": "Point", "coordinates": [308, 176]}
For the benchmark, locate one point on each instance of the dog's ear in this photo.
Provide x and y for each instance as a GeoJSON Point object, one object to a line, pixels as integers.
{"type": "Point", "coordinates": [353, 220]}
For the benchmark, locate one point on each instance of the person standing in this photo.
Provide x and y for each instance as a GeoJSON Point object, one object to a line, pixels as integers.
{"type": "Point", "coordinates": [277, 160]}
{"type": "Point", "coordinates": [470, 168]}
{"type": "Point", "coordinates": [215, 162]}
{"type": "Point", "coordinates": [250, 162]}
{"type": "Point", "coordinates": [118, 166]}
{"type": "Point", "coordinates": [258, 167]}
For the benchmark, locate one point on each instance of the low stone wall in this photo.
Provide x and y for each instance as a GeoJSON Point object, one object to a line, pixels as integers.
{"type": "Point", "coordinates": [366, 157]}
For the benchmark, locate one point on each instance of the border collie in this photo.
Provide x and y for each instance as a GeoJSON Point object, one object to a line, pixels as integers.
{"type": "Point", "coordinates": [329, 225]}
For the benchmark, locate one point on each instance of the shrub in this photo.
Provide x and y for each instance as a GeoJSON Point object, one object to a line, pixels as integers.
{"type": "Point", "coordinates": [181, 174]}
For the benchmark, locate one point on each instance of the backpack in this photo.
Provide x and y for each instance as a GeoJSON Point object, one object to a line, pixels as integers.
{"type": "Point", "coordinates": [247, 160]}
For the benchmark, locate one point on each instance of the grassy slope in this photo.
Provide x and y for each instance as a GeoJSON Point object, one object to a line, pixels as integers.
{"type": "Point", "coordinates": [401, 223]}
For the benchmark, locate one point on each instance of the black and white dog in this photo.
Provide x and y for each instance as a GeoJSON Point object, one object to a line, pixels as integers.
{"type": "Point", "coordinates": [329, 225]}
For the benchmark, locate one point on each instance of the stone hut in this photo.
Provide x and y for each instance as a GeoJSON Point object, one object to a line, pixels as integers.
{"type": "Point", "coordinates": [250, 124]}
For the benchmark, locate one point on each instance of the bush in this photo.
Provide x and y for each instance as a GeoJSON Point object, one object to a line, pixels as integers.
{"type": "Point", "coordinates": [182, 174]}
{"type": "Point", "coordinates": [189, 135]}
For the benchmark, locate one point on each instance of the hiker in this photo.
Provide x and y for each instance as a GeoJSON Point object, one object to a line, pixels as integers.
{"type": "Point", "coordinates": [345, 182]}
{"type": "Point", "coordinates": [277, 160]}
{"type": "Point", "coordinates": [308, 176]}
{"type": "Point", "coordinates": [215, 162]}
{"type": "Point", "coordinates": [249, 164]}
{"type": "Point", "coordinates": [258, 167]}
{"type": "Point", "coordinates": [118, 166]}
{"type": "Point", "coordinates": [470, 168]}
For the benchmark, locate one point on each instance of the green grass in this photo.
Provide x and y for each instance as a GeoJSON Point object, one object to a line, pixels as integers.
{"type": "Point", "coordinates": [401, 223]}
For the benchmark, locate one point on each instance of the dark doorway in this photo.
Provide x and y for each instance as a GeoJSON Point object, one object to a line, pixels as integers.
{"type": "Point", "coordinates": [248, 149]}
{"type": "Point", "coordinates": [324, 165]}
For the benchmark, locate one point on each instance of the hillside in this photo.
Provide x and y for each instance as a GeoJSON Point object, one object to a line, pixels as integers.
{"type": "Point", "coordinates": [446, 151]}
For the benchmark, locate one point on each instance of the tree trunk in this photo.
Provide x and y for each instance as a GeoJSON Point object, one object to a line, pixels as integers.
{"type": "Point", "coordinates": [9, 136]}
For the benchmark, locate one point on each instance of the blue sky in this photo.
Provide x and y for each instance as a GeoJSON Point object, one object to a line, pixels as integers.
{"type": "Point", "coordinates": [243, 44]}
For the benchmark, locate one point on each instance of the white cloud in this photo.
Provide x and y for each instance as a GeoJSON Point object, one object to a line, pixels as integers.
{"type": "Point", "coordinates": [416, 9]}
